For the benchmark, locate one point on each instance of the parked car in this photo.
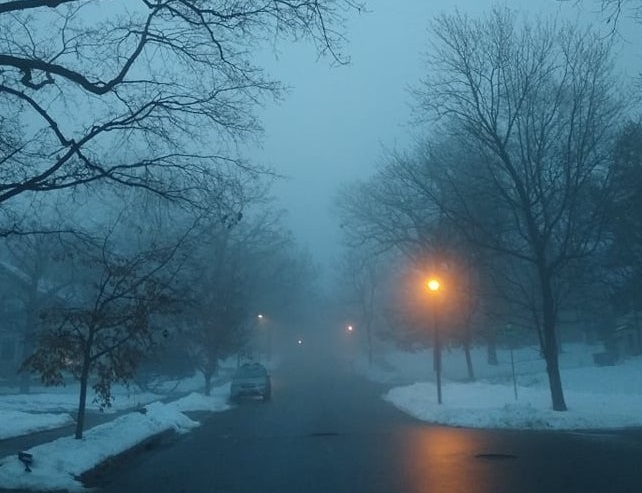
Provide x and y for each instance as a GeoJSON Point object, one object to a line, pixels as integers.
{"type": "Point", "coordinates": [251, 380]}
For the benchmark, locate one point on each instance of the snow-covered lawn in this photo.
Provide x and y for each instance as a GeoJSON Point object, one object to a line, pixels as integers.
{"type": "Point", "coordinates": [597, 397]}
{"type": "Point", "coordinates": [58, 464]}
{"type": "Point", "coordinates": [49, 408]}
{"type": "Point", "coordinates": [46, 408]}
{"type": "Point", "coordinates": [55, 401]}
{"type": "Point", "coordinates": [16, 423]}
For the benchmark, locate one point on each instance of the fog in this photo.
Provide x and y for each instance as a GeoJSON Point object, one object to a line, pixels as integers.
{"type": "Point", "coordinates": [337, 121]}
{"type": "Point", "coordinates": [440, 219]}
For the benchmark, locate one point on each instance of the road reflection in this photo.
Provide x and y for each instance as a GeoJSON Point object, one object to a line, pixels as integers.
{"type": "Point", "coordinates": [445, 460]}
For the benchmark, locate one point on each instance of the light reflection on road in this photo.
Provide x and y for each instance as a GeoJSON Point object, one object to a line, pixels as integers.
{"type": "Point", "coordinates": [445, 460]}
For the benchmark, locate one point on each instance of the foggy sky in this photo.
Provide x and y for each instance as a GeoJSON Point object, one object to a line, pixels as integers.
{"type": "Point", "coordinates": [334, 123]}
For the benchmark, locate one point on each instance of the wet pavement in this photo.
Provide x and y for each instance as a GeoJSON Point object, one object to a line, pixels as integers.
{"type": "Point", "coordinates": [326, 430]}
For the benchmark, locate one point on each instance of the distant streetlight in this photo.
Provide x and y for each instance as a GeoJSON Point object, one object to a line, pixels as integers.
{"type": "Point", "coordinates": [350, 328]}
{"type": "Point", "coordinates": [259, 316]}
{"type": "Point", "coordinates": [434, 288]}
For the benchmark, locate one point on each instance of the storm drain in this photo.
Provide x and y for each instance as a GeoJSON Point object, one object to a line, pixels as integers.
{"type": "Point", "coordinates": [495, 456]}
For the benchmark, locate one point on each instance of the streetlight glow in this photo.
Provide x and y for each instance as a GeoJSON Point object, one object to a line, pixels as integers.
{"type": "Point", "coordinates": [259, 316]}
{"type": "Point", "coordinates": [350, 328]}
{"type": "Point", "coordinates": [433, 285]}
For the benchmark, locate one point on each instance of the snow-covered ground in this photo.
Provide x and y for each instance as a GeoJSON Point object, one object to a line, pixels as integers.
{"type": "Point", "coordinates": [45, 408]}
{"type": "Point", "coordinates": [597, 397]}
{"type": "Point", "coordinates": [16, 423]}
{"type": "Point", "coordinates": [57, 465]}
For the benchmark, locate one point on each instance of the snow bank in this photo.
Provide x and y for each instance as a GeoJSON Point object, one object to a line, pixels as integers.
{"type": "Point", "coordinates": [597, 397]}
{"type": "Point", "coordinates": [58, 464]}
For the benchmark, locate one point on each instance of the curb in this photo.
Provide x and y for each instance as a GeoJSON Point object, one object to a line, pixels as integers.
{"type": "Point", "coordinates": [99, 474]}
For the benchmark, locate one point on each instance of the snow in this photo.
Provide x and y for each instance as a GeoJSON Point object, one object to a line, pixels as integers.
{"type": "Point", "coordinates": [47, 408]}
{"type": "Point", "coordinates": [16, 423]}
{"type": "Point", "coordinates": [597, 397]}
{"type": "Point", "coordinates": [215, 402]}
{"type": "Point", "coordinates": [58, 464]}
{"type": "Point", "coordinates": [66, 400]}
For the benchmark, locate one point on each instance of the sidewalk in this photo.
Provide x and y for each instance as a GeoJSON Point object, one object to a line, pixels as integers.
{"type": "Point", "coordinates": [13, 445]}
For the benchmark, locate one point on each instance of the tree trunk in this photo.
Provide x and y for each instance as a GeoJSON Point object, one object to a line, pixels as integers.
{"type": "Point", "coordinates": [469, 361]}
{"type": "Point", "coordinates": [550, 345]}
{"type": "Point", "coordinates": [82, 401]}
{"type": "Point", "coordinates": [492, 346]}
{"type": "Point", "coordinates": [555, 382]}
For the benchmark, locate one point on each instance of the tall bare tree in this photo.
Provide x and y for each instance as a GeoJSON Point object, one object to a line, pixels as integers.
{"type": "Point", "coordinates": [537, 103]}
{"type": "Point", "coordinates": [237, 270]}
{"type": "Point", "coordinates": [361, 278]}
{"type": "Point", "coordinates": [394, 211]}
{"type": "Point", "coordinates": [146, 93]}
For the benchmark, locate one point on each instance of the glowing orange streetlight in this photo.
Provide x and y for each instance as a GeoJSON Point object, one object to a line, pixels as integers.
{"type": "Point", "coordinates": [433, 285]}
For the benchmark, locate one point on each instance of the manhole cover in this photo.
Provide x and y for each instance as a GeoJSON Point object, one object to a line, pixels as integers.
{"type": "Point", "coordinates": [496, 456]}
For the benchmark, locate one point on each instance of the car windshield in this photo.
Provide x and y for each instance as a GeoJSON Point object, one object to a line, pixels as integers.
{"type": "Point", "coordinates": [251, 371]}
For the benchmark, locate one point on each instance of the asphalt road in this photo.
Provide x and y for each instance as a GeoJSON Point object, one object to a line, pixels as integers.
{"type": "Point", "coordinates": [328, 431]}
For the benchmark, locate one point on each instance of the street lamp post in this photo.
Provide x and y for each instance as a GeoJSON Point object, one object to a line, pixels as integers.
{"type": "Point", "coordinates": [434, 288]}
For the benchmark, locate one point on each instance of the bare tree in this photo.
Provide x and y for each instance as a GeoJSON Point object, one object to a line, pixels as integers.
{"type": "Point", "coordinates": [394, 211]}
{"type": "Point", "coordinates": [537, 103]}
{"type": "Point", "coordinates": [107, 319]}
{"type": "Point", "coordinates": [361, 277]}
{"type": "Point", "coordinates": [388, 213]}
{"type": "Point", "coordinates": [615, 9]}
{"type": "Point", "coordinates": [217, 289]}
{"type": "Point", "coordinates": [236, 270]}
{"type": "Point", "coordinates": [148, 93]}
